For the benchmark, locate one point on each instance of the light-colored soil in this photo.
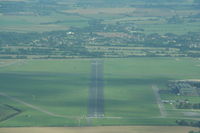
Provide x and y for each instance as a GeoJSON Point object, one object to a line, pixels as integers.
{"type": "Point", "coordinates": [189, 80]}
{"type": "Point", "coordinates": [114, 34]}
{"type": "Point", "coordinates": [12, 0]}
{"type": "Point", "coordinates": [102, 10]}
{"type": "Point", "coordinates": [111, 129]}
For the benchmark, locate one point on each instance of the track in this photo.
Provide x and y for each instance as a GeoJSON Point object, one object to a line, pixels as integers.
{"type": "Point", "coordinates": [96, 90]}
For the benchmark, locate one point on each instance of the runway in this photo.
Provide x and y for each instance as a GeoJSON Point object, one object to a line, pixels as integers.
{"type": "Point", "coordinates": [96, 90]}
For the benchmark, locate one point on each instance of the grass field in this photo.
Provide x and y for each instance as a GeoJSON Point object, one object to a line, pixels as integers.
{"type": "Point", "coordinates": [170, 28]}
{"type": "Point", "coordinates": [152, 20]}
{"type": "Point", "coordinates": [55, 92]}
{"type": "Point", "coordinates": [40, 23]}
{"type": "Point", "coordinates": [57, 86]}
{"type": "Point", "coordinates": [7, 112]}
{"type": "Point", "coordinates": [128, 129]}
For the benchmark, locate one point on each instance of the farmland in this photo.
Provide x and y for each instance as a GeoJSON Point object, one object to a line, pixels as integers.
{"type": "Point", "coordinates": [128, 129]}
{"type": "Point", "coordinates": [50, 16]}
{"type": "Point", "coordinates": [31, 23]}
{"type": "Point", "coordinates": [99, 66]}
{"type": "Point", "coordinates": [57, 91]}
{"type": "Point", "coordinates": [74, 29]}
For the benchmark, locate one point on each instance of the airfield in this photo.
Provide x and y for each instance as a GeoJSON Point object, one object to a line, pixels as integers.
{"type": "Point", "coordinates": [92, 92]}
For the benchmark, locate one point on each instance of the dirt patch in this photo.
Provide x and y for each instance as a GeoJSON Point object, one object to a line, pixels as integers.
{"type": "Point", "coordinates": [14, 0]}
{"type": "Point", "coordinates": [189, 80]}
{"type": "Point", "coordinates": [102, 10]}
{"type": "Point", "coordinates": [111, 129]}
{"type": "Point", "coordinates": [153, 12]}
{"type": "Point", "coordinates": [113, 34]}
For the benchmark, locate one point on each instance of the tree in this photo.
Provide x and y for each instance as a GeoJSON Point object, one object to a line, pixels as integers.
{"type": "Point", "coordinates": [191, 132]}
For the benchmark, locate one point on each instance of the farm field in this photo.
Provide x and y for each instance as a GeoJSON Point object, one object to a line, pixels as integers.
{"type": "Point", "coordinates": [33, 23]}
{"type": "Point", "coordinates": [119, 129]}
{"type": "Point", "coordinates": [102, 11]}
{"type": "Point", "coordinates": [56, 92]}
{"type": "Point", "coordinates": [99, 66]}
{"type": "Point", "coordinates": [67, 15]}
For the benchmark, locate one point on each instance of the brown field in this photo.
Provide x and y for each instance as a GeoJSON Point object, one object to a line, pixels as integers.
{"type": "Point", "coordinates": [111, 129]}
{"type": "Point", "coordinates": [13, 0]}
{"type": "Point", "coordinates": [149, 12]}
{"type": "Point", "coordinates": [113, 34]}
{"type": "Point", "coordinates": [102, 10]}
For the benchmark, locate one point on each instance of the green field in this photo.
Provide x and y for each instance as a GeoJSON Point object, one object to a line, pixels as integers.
{"type": "Point", "coordinates": [31, 23]}
{"type": "Point", "coordinates": [170, 28]}
{"type": "Point", "coordinates": [55, 92]}
{"type": "Point", "coordinates": [151, 19]}
{"type": "Point", "coordinates": [7, 112]}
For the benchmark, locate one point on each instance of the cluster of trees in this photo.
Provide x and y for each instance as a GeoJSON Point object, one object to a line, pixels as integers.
{"type": "Point", "coordinates": [14, 38]}
{"type": "Point", "coordinates": [188, 123]}
{"type": "Point", "coordinates": [186, 105]}
{"type": "Point", "coordinates": [194, 132]}
{"type": "Point", "coordinates": [183, 42]}
{"type": "Point", "coordinates": [75, 40]}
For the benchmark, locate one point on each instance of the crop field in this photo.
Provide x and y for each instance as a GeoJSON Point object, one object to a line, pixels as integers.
{"type": "Point", "coordinates": [119, 129]}
{"type": "Point", "coordinates": [102, 11]}
{"type": "Point", "coordinates": [56, 92]}
{"type": "Point", "coordinates": [152, 20]}
{"type": "Point", "coordinates": [33, 23]}
{"type": "Point", "coordinates": [173, 28]}
{"type": "Point", "coordinates": [13, 0]}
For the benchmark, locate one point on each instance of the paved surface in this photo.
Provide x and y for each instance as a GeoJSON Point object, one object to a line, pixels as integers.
{"type": "Point", "coordinates": [96, 90]}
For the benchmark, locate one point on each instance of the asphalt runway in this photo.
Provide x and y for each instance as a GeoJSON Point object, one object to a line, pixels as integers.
{"type": "Point", "coordinates": [96, 90]}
